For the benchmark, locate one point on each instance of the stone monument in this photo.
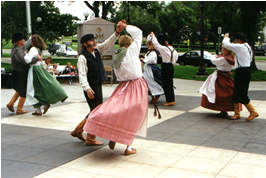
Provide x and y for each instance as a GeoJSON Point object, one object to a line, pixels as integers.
{"type": "Point", "coordinates": [102, 29]}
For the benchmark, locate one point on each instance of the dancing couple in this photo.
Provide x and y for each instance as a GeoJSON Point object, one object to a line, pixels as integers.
{"type": "Point", "coordinates": [31, 81]}
{"type": "Point", "coordinates": [124, 114]}
{"type": "Point", "coordinates": [219, 91]}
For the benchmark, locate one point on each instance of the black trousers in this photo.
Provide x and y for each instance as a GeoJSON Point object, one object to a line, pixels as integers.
{"type": "Point", "coordinates": [20, 82]}
{"type": "Point", "coordinates": [241, 85]}
{"type": "Point", "coordinates": [167, 81]}
{"type": "Point", "coordinates": [98, 96]}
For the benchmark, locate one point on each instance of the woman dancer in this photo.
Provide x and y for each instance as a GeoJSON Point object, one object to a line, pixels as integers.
{"type": "Point", "coordinates": [152, 73]}
{"type": "Point", "coordinates": [217, 90]}
{"type": "Point", "coordinates": [42, 88]}
{"type": "Point", "coordinates": [122, 116]}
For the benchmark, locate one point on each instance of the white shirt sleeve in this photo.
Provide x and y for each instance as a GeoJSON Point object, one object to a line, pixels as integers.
{"type": "Point", "coordinates": [151, 58]}
{"type": "Point", "coordinates": [231, 46]}
{"type": "Point", "coordinates": [83, 70]}
{"type": "Point", "coordinates": [31, 54]}
{"type": "Point", "coordinates": [136, 35]}
{"type": "Point", "coordinates": [157, 45]}
{"type": "Point", "coordinates": [107, 43]}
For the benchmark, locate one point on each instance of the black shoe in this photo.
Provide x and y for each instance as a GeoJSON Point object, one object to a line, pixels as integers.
{"type": "Point", "coordinates": [223, 114]}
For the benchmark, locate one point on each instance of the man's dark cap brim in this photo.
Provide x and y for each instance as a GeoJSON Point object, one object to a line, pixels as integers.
{"type": "Point", "coordinates": [87, 37]}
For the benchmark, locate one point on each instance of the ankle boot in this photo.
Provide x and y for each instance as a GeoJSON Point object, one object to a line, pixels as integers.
{"type": "Point", "coordinates": [79, 130]}
{"type": "Point", "coordinates": [11, 103]}
{"type": "Point", "coordinates": [20, 106]}
{"type": "Point", "coordinates": [253, 114]}
{"type": "Point", "coordinates": [236, 116]}
{"type": "Point", "coordinates": [91, 140]}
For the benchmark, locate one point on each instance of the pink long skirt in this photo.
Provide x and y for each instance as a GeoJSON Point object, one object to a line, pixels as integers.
{"type": "Point", "coordinates": [122, 115]}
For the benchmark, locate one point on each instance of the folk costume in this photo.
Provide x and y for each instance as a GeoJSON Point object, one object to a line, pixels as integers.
{"type": "Point", "coordinates": [19, 73]}
{"type": "Point", "coordinates": [217, 90]}
{"type": "Point", "coordinates": [242, 78]}
{"type": "Point", "coordinates": [42, 88]}
{"type": "Point", "coordinates": [152, 74]}
{"type": "Point", "coordinates": [91, 75]}
{"type": "Point", "coordinates": [169, 57]}
{"type": "Point", "coordinates": [124, 114]}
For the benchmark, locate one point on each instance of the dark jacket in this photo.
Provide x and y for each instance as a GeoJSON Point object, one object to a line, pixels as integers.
{"type": "Point", "coordinates": [17, 58]}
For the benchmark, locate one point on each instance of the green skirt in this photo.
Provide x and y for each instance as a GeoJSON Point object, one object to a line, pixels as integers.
{"type": "Point", "coordinates": [47, 90]}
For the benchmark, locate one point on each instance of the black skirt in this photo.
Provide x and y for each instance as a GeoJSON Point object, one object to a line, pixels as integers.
{"type": "Point", "coordinates": [20, 82]}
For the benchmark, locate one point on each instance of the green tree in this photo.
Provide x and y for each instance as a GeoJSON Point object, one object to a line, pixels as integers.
{"type": "Point", "coordinates": [52, 25]}
{"type": "Point", "coordinates": [142, 14]}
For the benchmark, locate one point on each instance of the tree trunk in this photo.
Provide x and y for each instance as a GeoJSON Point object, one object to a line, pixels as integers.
{"type": "Point", "coordinates": [105, 8]}
{"type": "Point", "coordinates": [94, 7]}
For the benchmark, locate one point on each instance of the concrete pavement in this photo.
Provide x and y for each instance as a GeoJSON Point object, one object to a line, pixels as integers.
{"type": "Point", "coordinates": [189, 141]}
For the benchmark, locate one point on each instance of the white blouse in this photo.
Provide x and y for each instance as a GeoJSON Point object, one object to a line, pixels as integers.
{"type": "Point", "coordinates": [221, 64]}
{"type": "Point", "coordinates": [150, 58]}
{"type": "Point", "coordinates": [130, 67]}
{"type": "Point", "coordinates": [33, 53]}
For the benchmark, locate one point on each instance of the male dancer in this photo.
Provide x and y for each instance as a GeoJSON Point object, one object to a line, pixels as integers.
{"type": "Point", "coordinates": [169, 57]}
{"type": "Point", "coordinates": [91, 75]}
{"type": "Point", "coordinates": [244, 56]}
{"type": "Point", "coordinates": [20, 72]}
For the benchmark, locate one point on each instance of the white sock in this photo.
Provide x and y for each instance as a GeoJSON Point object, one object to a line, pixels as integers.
{"type": "Point", "coordinates": [129, 148]}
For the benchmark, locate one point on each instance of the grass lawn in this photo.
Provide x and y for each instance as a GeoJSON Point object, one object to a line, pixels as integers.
{"type": "Point", "coordinates": [260, 58]}
{"type": "Point", "coordinates": [189, 72]}
{"type": "Point", "coordinates": [182, 72]}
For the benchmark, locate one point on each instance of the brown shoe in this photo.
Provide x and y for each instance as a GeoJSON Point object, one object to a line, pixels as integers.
{"type": "Point", "coordinates": [77, 134]}
{"type": "Point", "coordinates": [21, 112]}
{"type": "Point", "coordinates": [20, 106]}
{"type": "Point", "coordinates": [11, 103]}
{"type": "Point", "coordinates": [170, 104]}
{"type": "Point", "coordinates": [10, 108]}
{"type": "Point", "coordinates": [79, 130]}
{"type": "Point", "coordinates": [130, 152]}
{"type": "Point", "coordinates": [46, 107]}
{"type": "Point", "coordinates": [91, 141]}
{"type": "Point", "coordinates": [253, 114]}
{"type": "Point", "coordinates": [111, 145]}
{"type": "Point", "coordinates": [236, 116]}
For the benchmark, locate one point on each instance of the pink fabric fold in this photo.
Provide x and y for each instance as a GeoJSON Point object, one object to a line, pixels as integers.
{"type": "Point", "coordinates": [122, 115]}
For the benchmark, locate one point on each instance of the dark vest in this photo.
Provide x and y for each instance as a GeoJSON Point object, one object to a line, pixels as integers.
{"type": "Point", "coordinates": [96, 72]}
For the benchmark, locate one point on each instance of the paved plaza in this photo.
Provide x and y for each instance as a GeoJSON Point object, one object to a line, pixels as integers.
{"type": "Point", "coordinates": [188, 142]}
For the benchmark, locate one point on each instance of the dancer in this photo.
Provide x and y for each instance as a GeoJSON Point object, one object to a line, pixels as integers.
{"type": "Point", "coordinates": [152, 73]}
{"type": "Point", "coordinates": [244, 57]}
{"type": "Point", "coordinates": [124, 115]}
{"type": "Point", "coordinates": [91, 76]}
{"type": "Point", "coordinates": [169, 57]}
{"type": "Point", "coordinates": [42, 88]}
{"type": "Point", "coordinates": [217, 90]}
{"type": "Point", "coordinates": [20, 72]}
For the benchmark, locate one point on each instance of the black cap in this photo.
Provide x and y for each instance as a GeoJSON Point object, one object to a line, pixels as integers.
{"type": "Point", "coordinates": [87, 37]}
{"type": "Point", "coordinates": [17, 37]}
